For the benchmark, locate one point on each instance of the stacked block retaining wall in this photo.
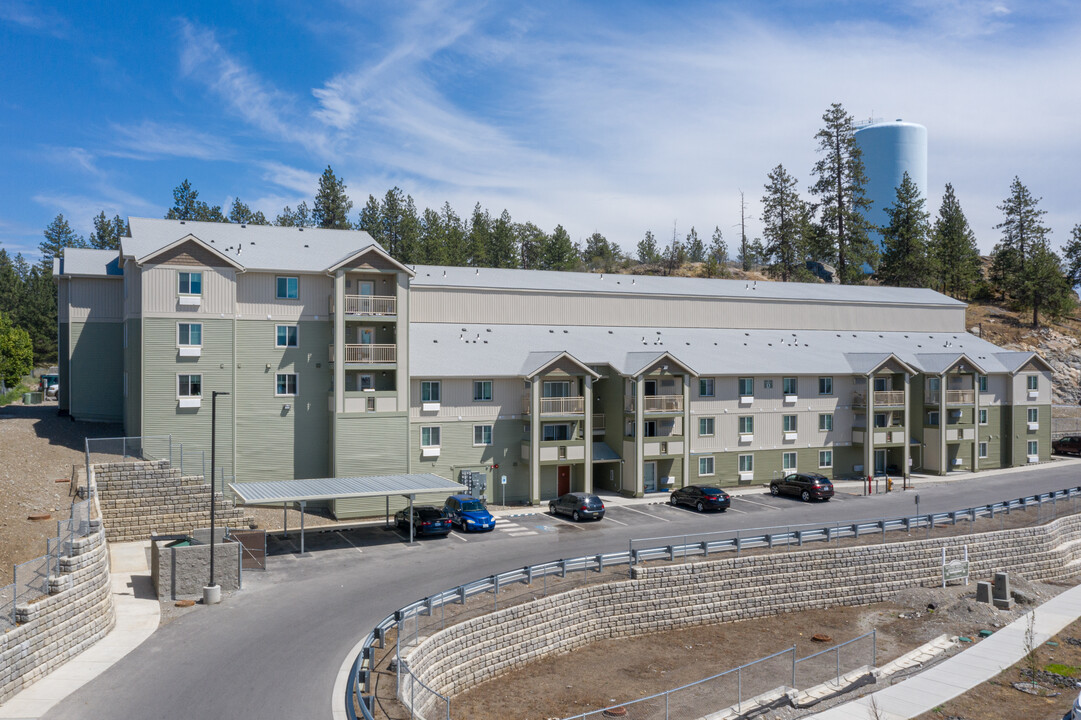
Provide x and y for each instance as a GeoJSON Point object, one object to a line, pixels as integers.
{"type": "Point", "coordinates": [735, 588]}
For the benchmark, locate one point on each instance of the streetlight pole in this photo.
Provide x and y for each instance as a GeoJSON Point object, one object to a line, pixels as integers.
{"type": "Point", "coordinates": [212, 593]}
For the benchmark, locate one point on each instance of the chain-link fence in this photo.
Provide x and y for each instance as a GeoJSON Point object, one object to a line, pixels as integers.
{"type": "Point", "coordinates": [30, 579]}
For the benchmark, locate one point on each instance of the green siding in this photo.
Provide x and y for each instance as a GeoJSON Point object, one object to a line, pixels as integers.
{"type": "Point", "coordinates": [64, 366]}
{"type": "Point", "coordinates": [992, 433]}
{"type": "Point", "coordinates": [96, 374]}
{"type": "Point", "coordinates": [769, 463]}
{"type": "Point", "coordinates": [161, 414]}
{"type": "Point", "coordinates": [1021, 434]}
{"type": "Point", "coordinates": [274, 443]}
{"type": "Point", "coordinates": [370, 444]}
{"type": "Point", "coordinates": [133, 367]}
{"type": "Point", "coordinates": [457, 453]}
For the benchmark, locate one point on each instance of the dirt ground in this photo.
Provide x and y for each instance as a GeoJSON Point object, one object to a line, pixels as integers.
{"type": "Point", "coordinates": [37, 447]}
{"type": "Point", "coordinates": [997, 699]}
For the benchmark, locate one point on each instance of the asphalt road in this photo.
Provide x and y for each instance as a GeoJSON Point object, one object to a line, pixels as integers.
{"type": "Point", "coordinates": [273, 650]}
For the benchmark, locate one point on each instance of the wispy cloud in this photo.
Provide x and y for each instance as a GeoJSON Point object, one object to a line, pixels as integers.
{"type": "Point", "coordinates": [37, 17]}
{"type": "Point", "coordinates": [301, 181]}
{"type": "Point", "coordinates": [150, 139]}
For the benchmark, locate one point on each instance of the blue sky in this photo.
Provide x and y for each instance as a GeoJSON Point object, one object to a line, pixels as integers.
{"type": "Point", "coordinates": [602, 116]}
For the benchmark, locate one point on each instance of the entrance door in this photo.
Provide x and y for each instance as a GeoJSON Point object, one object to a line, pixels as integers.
{"type": "Point", "coordinates": [649, 477]}
{"type": "Point", "coordinates": [365, 287]}
{"type": "Point", "coordinates": [563, 479]}
{"type": "Point", "coordinates": [880, 462]}
{"type": "Point", "coordinates": [650, 388]}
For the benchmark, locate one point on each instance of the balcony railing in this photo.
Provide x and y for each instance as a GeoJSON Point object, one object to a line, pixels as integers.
{"type": "Point", "coordinates": [599, 422]}
{"type": "Point", "coordinates": [575, 405]}
{"type": "Point", "coordinates": [657, 403]}
{"type": "Point", "coordinates": [368, 354]}
{"type": "Point", "coordinates": [882, 398]}
{"type": "Point", "coordinates": [953, 397]}
{"type": "Point", "coordinates": [368, 305]}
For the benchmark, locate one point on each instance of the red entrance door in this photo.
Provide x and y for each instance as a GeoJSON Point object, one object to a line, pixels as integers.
{"type": "Point", "coordinates": [563, 479]}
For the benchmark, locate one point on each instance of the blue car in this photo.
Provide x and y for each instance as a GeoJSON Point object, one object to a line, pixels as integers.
{"type": "Point", "coordinates": [468, 513]}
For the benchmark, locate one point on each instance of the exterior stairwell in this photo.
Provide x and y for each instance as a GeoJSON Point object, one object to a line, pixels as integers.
{"type": "Point", "coordinates": [138, 499]}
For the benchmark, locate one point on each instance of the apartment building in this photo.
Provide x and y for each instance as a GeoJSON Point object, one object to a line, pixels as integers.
{"type": "Point", "coordinates": [340, 361]}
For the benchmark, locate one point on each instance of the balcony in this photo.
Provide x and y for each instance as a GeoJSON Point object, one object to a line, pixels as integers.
{"type": "Point", "coordinates": [662, 446]}
{"type": "Point", "coordinates": [882, 398]}
{"type": "Point", "coordinates": [657, 404]}
{"type": "Point", "coordinates": [368, 305]}
{"type": "Point", "coordinates": [600, 424]}
{"type": "Point", "coordinates": [368, 354]}
{"type": "Point", "coordinates": [575, 405]}
{"type": "Point", "coordinates": [953, 397]}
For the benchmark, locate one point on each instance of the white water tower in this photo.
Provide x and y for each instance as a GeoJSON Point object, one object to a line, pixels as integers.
{"type": "Point", "coordinates": [890, 149]}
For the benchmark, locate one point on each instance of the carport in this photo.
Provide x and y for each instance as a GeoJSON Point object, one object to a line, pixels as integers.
{"type": "Point", "coordinates": [283, 492]}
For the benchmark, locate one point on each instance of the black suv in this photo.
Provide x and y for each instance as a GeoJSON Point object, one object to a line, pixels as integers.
{"type": "Point", "coordinates": [579, 505]}
{"type": "Point", "coordinates": [700, 497]}
{"type": "Point", "coordinates": [807, 486]}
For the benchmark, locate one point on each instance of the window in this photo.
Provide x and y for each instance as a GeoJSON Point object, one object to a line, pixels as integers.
{"type": "Point", "coordinates": [788, 423]}
{"type": "Point", "coordinates": [932, 417]}
{"type": "Point", "coordinates": [287, 336]}
{"type": "Point", "coordinates": [1033, 447]}
{"type": "Point", "coordinates": [1033, 382]}
{"type": "Point", "coordinates": [367, 382]}
{"type": "Point", "coordinates": [982, 383]}
{"type": "Point", "coordinates": [190, 283]}
{"type": "Point", "coordinates": [482, 435]}
{"type": "Point", "coordinates": [767, 384]}
{"type": "Point", "coordinates": [370, 404]}
{"type": "Point", "coordinates": [825, 386]}
{"type": "Point", "coordinates": [880, 420]}
{"type": "Point", "coordinates": [288, 288]}
{"type": "Point", "coordinates": [746, 463]}
{"type": "Point", "coordinates": [788, 461]}
{"type": "Point", "coordinates": [705, 426]}
{"type": "Point", "coordinates": [746, 387]}
{"type": "Point", "coordinates": [705, 387]}
{"type": "Point", "coordinates": [189, 386]}
{"type": "Point", "coordinates": [287, 384]}
{"type": "Point", "coordinates": [746, 425]}
{"type": "Point", "coordinates": [429, 391]}
{"type": "Point", "coordinates": [825, 458]}
{"type": "Point", "coordinates": [825, 422]}
{"type": "Point", "coordinates": [791, 387]}
{"type": "Point", "coordinates": [557, 389]}
{"type": "Point", "coordinates": [1033, 415]}
{"type": "Point", "coordinates": [650, 428]}
{"type": "Point", "coordinates": [983, 417]}
{"type": "Point", "coordinates": [983, 449]}
{"type": "Point", "coordinates": [705, 465]}
{"type": "Point", "coordinates": [429, 436]}
{"type": "Point", "coordinates": [189, 334]}
{"type": "Point", "coordinates": [556, 433]}
{"type": "Point", "coordinates": [482, 391]}
{"type": "Point", "coordinates": [881, 384]}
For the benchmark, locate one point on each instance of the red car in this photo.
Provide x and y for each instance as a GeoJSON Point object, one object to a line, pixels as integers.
{"type": "Point", "coordinates": [1069, 445]}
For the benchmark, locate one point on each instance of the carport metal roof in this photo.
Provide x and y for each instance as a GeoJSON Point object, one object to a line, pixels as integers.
{"type": "Point", "coordinates": [273, 492]}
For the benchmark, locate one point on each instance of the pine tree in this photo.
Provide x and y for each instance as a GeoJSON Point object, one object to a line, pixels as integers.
{"type": "Point", "coordinates": [302, 217]}
{"type": "Point", "coordinates": [840, 187]}
{"type": "Point", "coordinates": [531, 242]}
{"type": "Point", "coordinates": [905, 261]}
{"type": "Point", "coordinates": [480, 230]}
{"type": "Point", "coordinates": [559, 252]}
{"type": "Point", "coordinates": [1043, 286]}
{"type": "Point", "coordinates": [718, 250]}
{"type": "Point", "coordinates": [1072, 252]}
{"type": "Point", "coordinates": [1021, 225]}
{"type": "Point", "coordinates": [696, 251]}
{"type": "Point", "coordinates": [455, 245]}
{"type": "Point", "coordinates": [332, 205]}
{"type": "Point", "coordinates": [431, 248]}
{"type": "Point", "coordinates": [391, 216]}
{"type": "Point", "coordinates": [107, 233]}
{"type": "Point", "coordinates": [675, 254]}
{"type": "Point", "coordinates": [410, 232]}
{"type": "Point", "coordinates": [955, 258]}
{"type": "Point", "coordinates": [37, 312]}
{"type": "Point", "coordinates": [503, 247]}
{"type": "Point", "coordinates": [783, 221]}
{"type": "Point", "coordinates": [647, 249]}
{"type": "Point", "coordinates": [371, 220]}
{"type": "Point", "coordinates": [9, 284]}
{"type": "Point", "coordinates": [188, 206]}
{"type": "Point", "coordinates": [241, 214]}
{"type": "Point", "coordinates": [600, 254]}
{"type": "Point", "coordinates": [58, 235]}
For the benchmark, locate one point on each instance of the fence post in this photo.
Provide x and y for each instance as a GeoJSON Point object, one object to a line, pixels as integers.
{"type": "Point", "coordinates": [837, 654]}
{"type": "Point", "coordinates": [793, 667]}
{"type": "Point", "coordinates": [874, 647]}
{"type": "Point", "coordinates": [666, 705]}
{"type": "Point", "coordinates": [181, 458]}
{"type": "Point", "coordinates": [171, 458]}
{"type": "Point", "coordinates": [739, 689]}
{"type": "Point", "coordinates": [14, 591]}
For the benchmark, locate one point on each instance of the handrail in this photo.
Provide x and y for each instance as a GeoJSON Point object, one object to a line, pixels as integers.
{"type": "Point", "coordinates": [812, 531]}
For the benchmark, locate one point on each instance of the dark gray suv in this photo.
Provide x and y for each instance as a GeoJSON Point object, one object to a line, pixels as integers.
{"type": "Point", "coordinates": [578, 505]}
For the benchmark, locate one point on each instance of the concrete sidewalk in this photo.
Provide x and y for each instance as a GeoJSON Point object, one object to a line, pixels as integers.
{"type": "Point", "coordinates": [965, 670]}
{"type": "Point", "coordinates": [137, 616]}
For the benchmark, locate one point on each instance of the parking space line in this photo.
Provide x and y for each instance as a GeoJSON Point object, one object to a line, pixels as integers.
{"type": "Point", "coordinates": [568, 522]}
{"type": "Point", "coordinates": [617, 522]}
{"type": "Point", "coordinates": [460, 537]}
{"type": "Point", "coordinates": [656, 517]}
{"type": "Point", "coordinates": [755, 502]}
{"type": "Point", "coordinates": [732, 509]}
{"type": "Point", "coordinates": [343, 537]}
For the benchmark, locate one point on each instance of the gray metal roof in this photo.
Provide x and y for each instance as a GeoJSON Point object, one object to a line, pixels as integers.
{"type": "Point", "coordinates": [284, 491]}
{"type": "Point", "coordinates": [444, 350]}
{"type": "Point", "coordinates": [255, 247]}
{"type": "Point", "coordinates": [88, 262]}
{"type": "Point", "coordinates": [551, 281]}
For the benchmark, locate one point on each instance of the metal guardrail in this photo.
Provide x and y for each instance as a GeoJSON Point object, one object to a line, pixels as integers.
{"type": "Point", "coordinates": [358, 691]}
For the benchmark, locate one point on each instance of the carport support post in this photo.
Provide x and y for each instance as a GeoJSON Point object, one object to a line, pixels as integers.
{"type": "Point", "coordinates": [411, 535]}
{"type": "Point", "coordinates": [303, 503]}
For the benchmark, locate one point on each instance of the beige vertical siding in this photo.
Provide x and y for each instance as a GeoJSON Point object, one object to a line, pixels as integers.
{"type": "Point", "coordinates": [159, 291]}
{"type": "Point", "coordinates": [133, 289]}
{"type": "Point", "coordinates": [94, 299]}
{"type": "Point", "coordinates": [256, 296]}
{"type": "Point", "coordinates": [457, 400]}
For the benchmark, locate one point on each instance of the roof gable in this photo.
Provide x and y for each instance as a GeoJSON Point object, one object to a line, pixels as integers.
{"type": "Point", "coordinates": [189, 250]}
{"type": "Point", "coordinates": [538, 362]}
{"type": "Point", "coordinates": [363, 259]}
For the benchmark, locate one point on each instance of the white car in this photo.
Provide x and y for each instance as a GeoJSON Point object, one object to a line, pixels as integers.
{"type": "Point", "coordinates": [52, 391]}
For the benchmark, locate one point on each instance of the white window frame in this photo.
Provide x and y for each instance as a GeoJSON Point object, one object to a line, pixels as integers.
{"type": "Point", "coordinates": [749, 423]}
{"type": "Point", "coordinates": [438, 436]}
{"type": "Point", "coordinates": [189, 349]}
{"type": "Point", "coordinates": [706, 466]}
{"type": "Point", "coordinates": [482, 429]}
{"type": "Point", "coordinates": [1033, 447]}
{"type": "Point", "coordinates": [705, 382]}
{"type": "Point", "coordinates": [825, 422]}
{"type": "Point", "coordinates": [711, 425]}
{"type": "Point", "coordinates": [1032, 382]}
{"type": "Point", "coordinates": [982, 450]}
{"type": "Point", "coordinates": [277, 336]}
{"type": "Point", "coordinates": [296, 384]}
{"type": "Point", "coordinates": [189, 273]}
{"type": "Point", "coordinates": [825, 458]}
{"type": "Point", "coordinates": [826, 382]}
{"type": "Point", "coordinates": [936, 416]}
{"type": "Point", "coordinates": [749, 457]}
{"type": "Point", "coordinates": [437, 385]}
{"type": "Point", "coordinates": [790, 423]}
{"type": "Point", "coordinates": [982, 416]}
{"type": "Point", "coordinates": [740, 382]}
{"type": "Point", "coordinates": [277, 287]}
{"type": "Point", "coordinates": [481, 384]}
{"type": "Point", "coordinates": [1033, 415]}
{"type": "Point", "coordinates": [794, 390]}
{"type": "Point", "coordinates": [188, 400]}
{"type": "Point", "coordinates": [546, 427]}
{"type": "Point", "coordinates": [785, 457]}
